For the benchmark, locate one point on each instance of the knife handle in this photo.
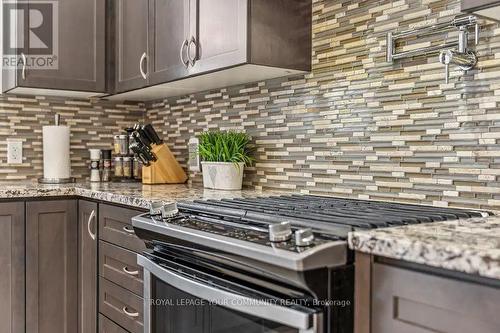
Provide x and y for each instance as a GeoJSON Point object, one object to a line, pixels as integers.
{"type": "Point", "coordinates": [152, 134]}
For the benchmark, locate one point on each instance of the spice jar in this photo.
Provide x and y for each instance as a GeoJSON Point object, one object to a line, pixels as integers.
{"type": "Point", "coordinates": [118, 167]}
{"type": "Point", "coordinates": [121, 144]}
{"type": "Point", "coordinates": [106, 165]}
{"type": "Point", "coordinates": [95, 157]}
{"type": "Point", "coordinates": [137, 168]}
{"type": "Point", "coordinates": [116, 144]}
{"type": "Point", "coordinates": [127, 167]}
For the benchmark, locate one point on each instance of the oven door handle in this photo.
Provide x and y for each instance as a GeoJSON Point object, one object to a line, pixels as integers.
{"type": "Point", "coordinates": [304, 322]}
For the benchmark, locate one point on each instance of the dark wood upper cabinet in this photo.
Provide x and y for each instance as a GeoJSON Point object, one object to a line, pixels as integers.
{"type": "Point", "coordinates": [219, 37]}
{"type": "Point", "coordinates": [468, 5]}
{"type": "Point", "coordinates": [80, 48]}
{"type": "Point", "coordinates": [12, 282]}
{"type": "Point", "coordinates": [169, 31]}
{"type": "Point", "coordinates": [130, 48]}
{"type": "Point", "coordinates": [51, 267]}
{"type": "Point", "coordinates": [195, 45]}
{"type": "Point", "coordinates": [148, 49]}
{"type": "Point", "coordinates": [238, 32]}
{"type": "Point", "coordinates": [486, 8]}
{"type": "Point", "coordinates": [87, 266]}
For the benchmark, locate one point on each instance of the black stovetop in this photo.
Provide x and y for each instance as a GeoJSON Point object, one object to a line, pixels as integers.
{"type": "Point", "coordinates": [332, 217]}
{"type": "Point", "coordinates": [240, 227]}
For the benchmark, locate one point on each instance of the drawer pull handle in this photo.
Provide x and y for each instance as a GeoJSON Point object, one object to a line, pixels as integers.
{"type": "Point", "coordinates": [130, 314]}
{"type": "Point", "coordinates": [141, 65]}
{"type": "Point", "coordinates": [91, 218]}
{"type": "Point", "coordinates": [128, 230]}
{"type": "Point", "coordinates": [125, 269]}
{"type": "Point", "coordinates": [192, 61]}
{"type": "Point", "coordinates": [184, 45]}
{"type": "Point", "coordinates": [23, 71]}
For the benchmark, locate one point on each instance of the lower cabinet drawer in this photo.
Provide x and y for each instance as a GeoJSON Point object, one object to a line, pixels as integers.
{"type": "Point", "coordinates": [115, 226]}
{"type": "Point", "coordinates": [121, 306]}
{"type": "Point", "coordinates": [119, 265]}
{"type": "Point", "coordinates": [107, 326]}
{"type": "Point", "coordinates": [409, 301]}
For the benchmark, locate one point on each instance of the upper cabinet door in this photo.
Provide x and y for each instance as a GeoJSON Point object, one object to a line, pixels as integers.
{"type": "Point", "coordinates": [78, 44]}
{"type": "Point", "coordinates": [169, 33]}
{"type": "Point", "coordinates": [219, 39]}
{"type": "Point", "coordinates": [131, 44]}
{"type": "Point", "coordinates": [468, 5]}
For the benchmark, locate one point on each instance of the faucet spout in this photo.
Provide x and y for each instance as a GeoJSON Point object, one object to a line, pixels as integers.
{"type": "Point", "coordinates": [464, 60]}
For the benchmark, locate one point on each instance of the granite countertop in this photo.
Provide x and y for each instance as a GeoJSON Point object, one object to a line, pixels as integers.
{"type": "Point", "coordinates": [470, 245]}
{"type": "Point", "coordinates": [130, 194]}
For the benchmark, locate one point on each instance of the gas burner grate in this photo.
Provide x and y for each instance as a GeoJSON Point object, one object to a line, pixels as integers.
{"type": "Point", "coordinates": [334, 215]}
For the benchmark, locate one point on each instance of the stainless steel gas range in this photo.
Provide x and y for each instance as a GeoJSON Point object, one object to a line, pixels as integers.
{"type": "Point", "coordinates": [262, 265]}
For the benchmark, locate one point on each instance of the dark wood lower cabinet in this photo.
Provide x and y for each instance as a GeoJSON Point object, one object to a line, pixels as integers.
{"type": "Point", "coordinates": [394, 298]}
{"type": "Point", "coordinates": [51, 267]}
{"type": "Point", "coordinates": [120, 266]}
{"type": "Point", "coordinates": [121, 305]}
{"type": "Point", "coordinates": [120, 278]}
{"type": "Point", "coordinates": [408, 301]}
{"type": "Point", "coordinates": [115, 226]}
{"type": "Point", "coordinates": [87, 266]}
{"type": "Point", "coordinates": [12, 287]}
{"type": "Point", "coordinates": [49, 255]}
{"type": "Point", "coordinates": [107, 326]}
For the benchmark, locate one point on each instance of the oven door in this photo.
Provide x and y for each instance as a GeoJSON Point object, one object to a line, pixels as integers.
{"type": "Point", "coordinates": [176, 301]}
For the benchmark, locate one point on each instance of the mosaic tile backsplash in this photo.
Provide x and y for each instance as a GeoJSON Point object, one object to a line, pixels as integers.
{"type": "Point", "coordinates": [358, 126]}
{"type": "Point", "coordinates": [93, 125]}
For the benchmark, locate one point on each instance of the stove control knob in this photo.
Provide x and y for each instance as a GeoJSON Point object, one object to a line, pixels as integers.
{"type": "Point", "coordinates": [169, 210]}
{"type": "Point", "coordinates": [304, 237]}
{"type": "Point", "coordinates": [280, 232]}
{"type": "Point", "coordinates": [155, 208]}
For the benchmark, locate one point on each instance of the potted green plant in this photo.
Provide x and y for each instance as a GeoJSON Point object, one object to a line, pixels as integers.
{"type": "Point", "coordinates": [224, 155]}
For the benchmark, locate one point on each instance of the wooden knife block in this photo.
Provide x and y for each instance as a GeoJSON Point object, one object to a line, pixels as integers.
{"type": "Point", "coordinates": [166, 170]}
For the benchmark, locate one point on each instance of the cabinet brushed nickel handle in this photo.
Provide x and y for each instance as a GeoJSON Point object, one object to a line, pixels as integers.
{"type": "Point", "coordinates": [184, 45]}
{"type": "Point", "coordinates": [128, 230]}
{"type": "Point", "coordinates": [91, 217]}
{"type": "Point", "coordinates": [130, 314]}
{"type": "Point", "coordinates": [192, 61]}
{"type": "Point", "coordinates": [126, 270]}
{"type": "Point", "coordinates": [23, 71]}
{"type": "Point", "coordinates": [141, 65]}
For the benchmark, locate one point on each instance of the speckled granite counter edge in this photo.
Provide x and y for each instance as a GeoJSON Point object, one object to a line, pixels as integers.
{"type": "Point", "coordinates": [121, 199]}
{"type": "Point", "coordinates": [11, 192]}
{"type": "Point", "coordinates": [455, 258]}
{"type": "Point", "coordinates": [34, 192]}
{"type": "Point", "coordinates": [125, 195]}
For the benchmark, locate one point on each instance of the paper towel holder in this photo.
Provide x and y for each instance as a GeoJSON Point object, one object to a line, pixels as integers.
{"type": "Point", "coordinates": [57, 120]}
{"type": "Point", "coordinates": [56, 180]}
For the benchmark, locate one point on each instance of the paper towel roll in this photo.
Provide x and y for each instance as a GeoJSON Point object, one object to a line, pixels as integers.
{"type": "Point", "coordinates": [56, 159]}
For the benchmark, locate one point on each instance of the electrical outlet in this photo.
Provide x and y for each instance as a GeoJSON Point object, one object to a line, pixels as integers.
{"type": "Point", "coordinates": [14, 151]}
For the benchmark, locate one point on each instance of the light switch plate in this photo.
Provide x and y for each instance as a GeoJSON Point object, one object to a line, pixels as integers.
{"type": "Point", "coordinates": [14, 151]}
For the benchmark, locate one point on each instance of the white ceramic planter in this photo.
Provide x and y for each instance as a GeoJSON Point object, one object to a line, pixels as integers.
{"type": "Point", "coordinates": [222, 175]}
